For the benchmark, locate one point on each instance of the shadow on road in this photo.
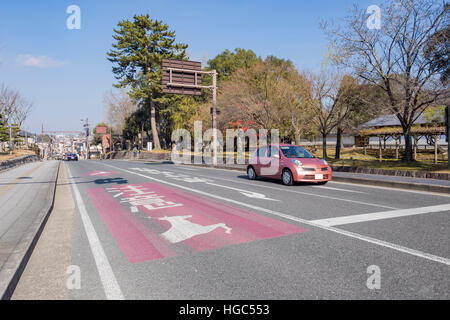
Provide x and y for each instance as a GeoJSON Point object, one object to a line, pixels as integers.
{"type": "Point", "coordinates": [278, 181]}
{"type": "Point", "coordinates": [98, 181]}
{"type": "Point", "coordinates": [111, 180]}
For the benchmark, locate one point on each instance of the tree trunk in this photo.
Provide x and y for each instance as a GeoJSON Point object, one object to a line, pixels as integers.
{"type": "Point", "coordinates": [408, 156]}
{"type": "Point", "coordinates": [380, 150]}
{"type": "Point", "coordinates": [324, 146]}
{"type": "Point", "coordinates": [415, 148]}
{"type": "Point", "coordinates": [155, 137]}
{"type": "Point", "coordinates": [297, 138]}
{"type": "Point", "coordinates": [435, 149]}
{"type": "Point", "coordinates": [396, 148]}
{"type": "Point", "coordinates": [338, 143]}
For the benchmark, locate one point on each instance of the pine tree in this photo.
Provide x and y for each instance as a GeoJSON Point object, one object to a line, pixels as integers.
{"type": "Point", "coordinates": [137, 56]}
{"type": "Point", "coordinates": [4, 130]}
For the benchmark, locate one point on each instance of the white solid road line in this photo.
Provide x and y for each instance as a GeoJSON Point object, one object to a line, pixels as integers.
{"type": "Point", "coordinates": [109, 282]}
{"type": "Point", "coordinates": [381, 215]}
{"type": "Point", "coordinates": [382, 243]}
{"type": "Point", "coordinates": [190, 169]}
{"type": "Point", "coordinates": [338, 189]}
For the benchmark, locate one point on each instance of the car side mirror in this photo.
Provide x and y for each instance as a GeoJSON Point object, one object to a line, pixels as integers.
{"type": "Point", "coordinates": [276, 156]}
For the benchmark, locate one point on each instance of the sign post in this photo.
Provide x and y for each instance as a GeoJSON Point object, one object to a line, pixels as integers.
{"type": "Point", "coordinates": [447, 133]}
{"type": "Point", "coordinates": [184, 77]}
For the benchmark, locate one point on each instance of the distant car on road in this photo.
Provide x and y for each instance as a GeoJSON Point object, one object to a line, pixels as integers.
{"type": "Point", "coordinates": [290, 163]}
{"type": "Point", "coordinates": [71, 157]}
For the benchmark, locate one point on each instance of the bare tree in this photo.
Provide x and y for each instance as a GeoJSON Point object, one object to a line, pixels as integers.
{"type": "Point", "coordinates": [14, 108]}
{"type": "Point", "coordinates": [394, 57]}
{"type": "Point", "coordinates": [246, 97]}
{"type": "Point", "coordinates": [118, 106]}
{"type": "Point", "coordinates": [8, 100]}
{"type": "Point", "coordinates": [270, 94]}
{"type": "Point", "coordinates": [294, 105]}
{"type": "Point", "coordinates": [328, 90]}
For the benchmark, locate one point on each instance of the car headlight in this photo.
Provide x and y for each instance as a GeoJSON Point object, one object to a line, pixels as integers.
{"type": "Point", "coordinates": [297, 162]}
{"type": "Point", "coordinates": [324, 161]}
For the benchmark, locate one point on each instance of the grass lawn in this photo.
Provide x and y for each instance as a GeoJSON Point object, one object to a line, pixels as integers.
{"type": "Point", "coordinates": [16, 153]}
{"type": "Point", "coordinates": [355, 157]}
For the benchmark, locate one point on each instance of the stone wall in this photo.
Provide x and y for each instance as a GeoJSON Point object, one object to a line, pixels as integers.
{"type": "Point", "coordinates": [11, 163]}
{"type": "Point", "coordinates": [136, 155]}
{"type": "Point", "coordinates": [399, 173]}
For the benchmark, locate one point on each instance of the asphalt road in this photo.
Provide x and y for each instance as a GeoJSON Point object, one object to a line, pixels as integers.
{"type": "Point", "coordinates": [161, 231]}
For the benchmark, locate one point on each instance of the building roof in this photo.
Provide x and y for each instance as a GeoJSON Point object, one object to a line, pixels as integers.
{"type": "Point", "coordinates": [391, 121]}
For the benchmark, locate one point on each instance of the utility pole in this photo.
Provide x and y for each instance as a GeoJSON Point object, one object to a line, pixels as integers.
{"type": "Point", "coordinates": [42, 141]}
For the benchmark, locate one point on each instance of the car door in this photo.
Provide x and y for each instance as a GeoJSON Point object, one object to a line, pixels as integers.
{"type": "Point", "coordinates": [259, 159]}
{"type": "Point", "coordinates": [273, 166]}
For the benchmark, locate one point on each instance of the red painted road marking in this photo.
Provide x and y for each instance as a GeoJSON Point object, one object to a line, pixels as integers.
{"type": "Point", "coordinates": [154, 221]}
{"type": "Point", "coordinates": [99, 173]}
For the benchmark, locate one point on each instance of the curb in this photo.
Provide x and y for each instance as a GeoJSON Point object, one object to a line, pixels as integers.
{"type": "Point", "coordinates": [17, 261]}
{"type": "Point", "coordinates": [395, 184]}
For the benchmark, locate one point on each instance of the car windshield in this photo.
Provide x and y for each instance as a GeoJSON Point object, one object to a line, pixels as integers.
{"type": "Point", "coordinates": [295, 152]}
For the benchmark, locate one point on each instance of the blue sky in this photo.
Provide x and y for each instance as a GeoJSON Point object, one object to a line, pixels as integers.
{"type": "Point", "coordinates": [65, 72]}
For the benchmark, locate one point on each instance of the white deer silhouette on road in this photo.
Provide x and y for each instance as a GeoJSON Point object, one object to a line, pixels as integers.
{"type": "Point", "coordinates": [182, 229]}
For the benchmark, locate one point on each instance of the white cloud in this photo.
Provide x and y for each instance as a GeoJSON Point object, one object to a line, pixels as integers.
{"type": "Point", "coordinates": [42, 62]}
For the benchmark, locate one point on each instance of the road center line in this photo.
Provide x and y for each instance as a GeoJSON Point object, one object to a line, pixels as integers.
{"type": "Point", "coordinates": [109, 281]}
{"type": "Point", "coordinates": [382, 243]}
{"type": "Point", "coordinates": [381, 215]}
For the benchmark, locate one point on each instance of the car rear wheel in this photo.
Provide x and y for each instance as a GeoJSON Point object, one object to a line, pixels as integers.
{"type": "Point", "coordinates": [251, 173]}
{"type": "Point", "coordinates": [287, 177]}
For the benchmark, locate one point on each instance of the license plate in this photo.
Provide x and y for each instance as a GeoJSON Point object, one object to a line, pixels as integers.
{"type": "Point", "coordinates": [318, 176]}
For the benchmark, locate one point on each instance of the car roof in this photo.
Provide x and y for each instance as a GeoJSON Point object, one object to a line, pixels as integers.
{"type": "Point", "coordinates": [284, 145]}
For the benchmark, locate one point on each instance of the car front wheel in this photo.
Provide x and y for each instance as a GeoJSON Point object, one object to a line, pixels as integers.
{"type": "Point", "coordinates": [287, 177]}
{"type": "Point", "coordinates": [251, 173]}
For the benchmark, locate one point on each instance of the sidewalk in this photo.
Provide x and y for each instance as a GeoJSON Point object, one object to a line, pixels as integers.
{"type": "Point", "coordinates": [26, 198]}
{"type": "Point", "coordinates": [430, 185]}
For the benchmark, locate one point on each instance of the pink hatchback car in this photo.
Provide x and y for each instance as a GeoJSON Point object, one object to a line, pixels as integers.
{"type": "Point", "coordinates": [289, 163]}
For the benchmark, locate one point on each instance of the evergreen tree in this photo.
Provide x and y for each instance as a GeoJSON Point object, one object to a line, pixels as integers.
{"type": "Point", "coordinates": [4, 130]}
{"type": "Point", "coordinates": [137, 56]}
